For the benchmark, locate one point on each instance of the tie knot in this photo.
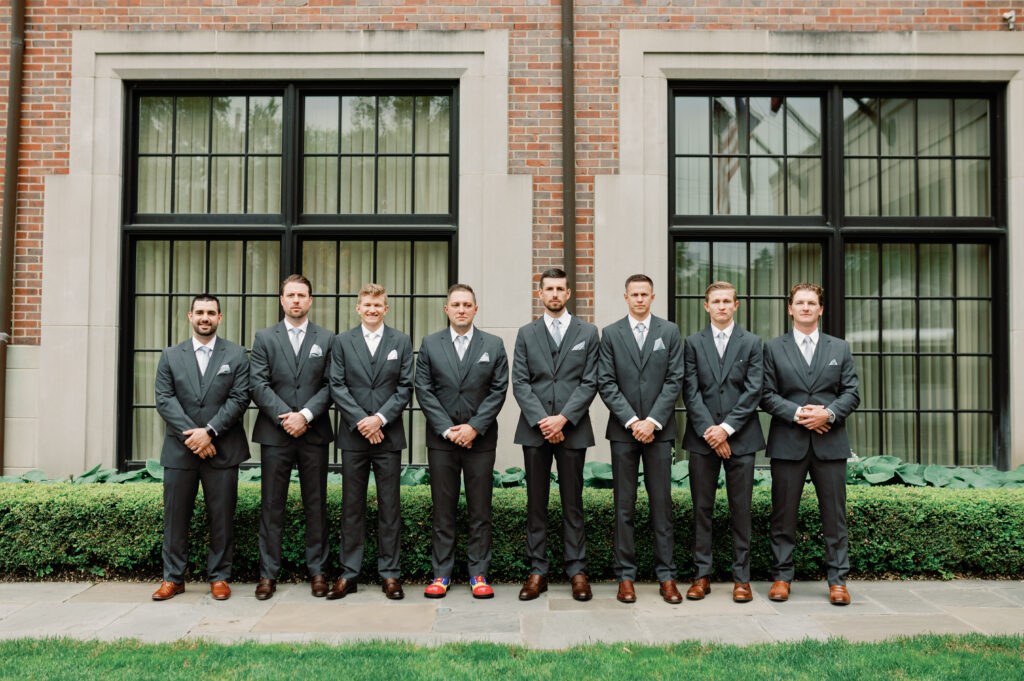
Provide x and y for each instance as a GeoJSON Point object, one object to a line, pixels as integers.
{"type": "Point", "coordinates": [556, 323]}
{"type": "Point", "coordinates": [721, 335]}
{"type": "Point", "coordinates": [205, 349]}
{"type": "Point", "coordinates": [461, 340]}
{"type": "Point", "coordinates": [641, 327]}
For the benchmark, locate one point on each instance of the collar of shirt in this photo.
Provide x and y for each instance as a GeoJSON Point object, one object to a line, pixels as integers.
{"type": "Point", "coordinates": [563, 320]}
{"type": "Point", "coordinates": [727, 330]}
{"type": "Point", "coordinates": [799, 336]}
{"type": "Point", "coordinates": [304, 326]}
{"type": "Point", "coordinates": [468, 334]}
{"type": "Point", "coordinates": [634, 322]}
{"type": "Point", "coordinates": [367, 334]}
{"type": "Point", "coordinates": [196, 344]}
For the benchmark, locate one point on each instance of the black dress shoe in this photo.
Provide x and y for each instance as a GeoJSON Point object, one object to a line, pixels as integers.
{"type": "Point", "coordinates": [319, 586]}
{"type": "Point", "coordinates": [342, 587]}
{"type": "Point", "coordinates": [265, 589]}
{"type": "Point", "coordinates": [392, 589]}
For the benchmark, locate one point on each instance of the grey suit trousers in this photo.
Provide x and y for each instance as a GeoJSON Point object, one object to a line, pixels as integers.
{"type": "Point", "coordinates": [220, 492]}
{"type": "Point", "coordinates": [739, 481]}
{"type": "Point", "coordinates": [445, 469]}
{"type": "Point", "coordinates": [537, 461]}
{"type": "Point", "coordinates": [387, 476]}
{"type": "Point", "coordinates": [657, 458]}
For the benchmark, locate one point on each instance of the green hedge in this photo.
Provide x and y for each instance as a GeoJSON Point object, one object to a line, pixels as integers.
{"type": "Point", "coordinates": [116, 531]}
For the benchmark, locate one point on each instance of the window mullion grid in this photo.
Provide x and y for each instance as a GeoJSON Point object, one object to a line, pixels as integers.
{"type": "Point", "coordinates": [337, 160]}
{"type": "Point", "coordinates": [376, 160]}
{"type": "Point", "coordinates": [952, 152]}
{"type": "Point", "coordinates": [174, 154]}
{"type": "Point", "coordinates": [745, 130]}
{"type": "Point", "coordinates": [711, 156]}
{"type": "Point", "coordinates": [245, 160]}
{"type": "Point", "coordinates": [209, 155]}
{"type": "Point", "coordinates": [917, 160]}
{"type": "Point", "coordinates": [412, 160]}
{"type": "Point", "coordinates": [882, 387]}
{"type": "Point", "coordinates": [916, 301]}
{"type": "Point", "coordinates": [956, 363]}
{"type": "Point", "coordinates": [785, 156]}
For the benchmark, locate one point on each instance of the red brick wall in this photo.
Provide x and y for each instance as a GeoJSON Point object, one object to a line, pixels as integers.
{"type": "Point", "coordinates": [534, 87]}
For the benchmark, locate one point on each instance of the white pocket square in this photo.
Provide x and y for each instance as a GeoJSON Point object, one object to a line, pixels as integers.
{"type": "Point", "coordinates": [316, 351]}
{"type": "Point", "coordinates": [658, 345]}
{"type": "Point", "coordinates": [833, 363]}
{"type": "Point", "coordinates": [393, 354]}
{"type": "Point", "coordinates": [224, 369]}
{"type": "Point", "coordinates": [579, 346]}
{"type": "Point", "coordinates": [484, 358]}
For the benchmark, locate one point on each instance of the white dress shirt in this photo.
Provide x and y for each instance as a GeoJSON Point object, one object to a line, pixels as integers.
{"type": "Point", "coordinates": [563, 322]}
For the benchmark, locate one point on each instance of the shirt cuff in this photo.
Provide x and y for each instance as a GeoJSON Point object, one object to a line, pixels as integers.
{"type": "Point", "coordinates": [657, 426]}
{"type": "Point", "coordinates": [729, 430]}
{"type": "Point", "coordinates": [307, 414]}
{"type": "Point", "coordinates": [383, 421]}
{"type": "Point", "coordinates": [796, 414]}
{"type": "Point", "coordinates": [632, 421]}
{"type": "Point", "coordinates": [445, 433]}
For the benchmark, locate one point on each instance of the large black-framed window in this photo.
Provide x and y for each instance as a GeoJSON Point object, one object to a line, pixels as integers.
{"type": "Point", "coordinates": [910, 226]}
{"type": "Point", "coordinates": [218, 186]}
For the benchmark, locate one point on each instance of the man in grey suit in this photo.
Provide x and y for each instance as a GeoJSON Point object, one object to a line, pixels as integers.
{"type": "Point", "coordinates": [810, 388]}
{"type": "Point", "coordinates": [639, 376]}
{"type": "Point", "coordinates": [554, 380]}
{"type": "Point", "coordinates": [461, 381]}
{"type": "Point", "coordinates": [371, 384]}
{"type": "Point", "coordinates": [202, 390]}
{"type": "Point", "coordinates": [290, 387]}
{"type": "Point", "coordinates": [721, 390]}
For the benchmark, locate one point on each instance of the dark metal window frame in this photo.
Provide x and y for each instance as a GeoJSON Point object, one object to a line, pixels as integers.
{"type": "Point", "coordinates": [834, 229]}
{"type": "Point", "coordinates": [290, 227]}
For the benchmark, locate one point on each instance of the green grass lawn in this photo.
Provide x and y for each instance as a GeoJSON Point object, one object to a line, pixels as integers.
{"type": "Point", "coordinates": [975, 657]}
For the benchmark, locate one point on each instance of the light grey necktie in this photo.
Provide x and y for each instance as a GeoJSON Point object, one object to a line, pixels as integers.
{"type": "Point", "coordinates": [203, 357]}
{"type": "Point", "coordinates": [556, 332]}
{"type": "Point", "coordinates": [460, 346]}
{"type": "Point", "coordinates": [808, 349]}
{"type": "Point", "coordinates": [641, 334]}
{"type": "Point", "coordinates": [296, 334]}
{"type": "Point", "coordinates": [720, 343]}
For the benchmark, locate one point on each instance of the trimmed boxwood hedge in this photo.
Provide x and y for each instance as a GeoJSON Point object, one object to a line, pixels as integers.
{"type": "Point", "coordinates": [117, 531]}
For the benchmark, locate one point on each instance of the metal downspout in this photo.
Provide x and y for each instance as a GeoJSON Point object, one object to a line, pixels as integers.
{"type": "Point", "coordinates": [568, 149]}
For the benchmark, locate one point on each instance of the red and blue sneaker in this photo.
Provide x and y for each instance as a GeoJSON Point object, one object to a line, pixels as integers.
{"type": "Point", "coordinates": [480, 587]}
{"type": "Point", "coordinates": [438, 588]}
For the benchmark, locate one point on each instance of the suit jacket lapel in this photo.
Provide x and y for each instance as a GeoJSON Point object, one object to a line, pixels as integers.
{"type": "Point", "coordinates": [188, 357]}
{"type": "Point", "coordinates": [471, 355]}
{"type": "Point", "coordinates": [387, 339]}
{"type": "Point", "coordinates": [308, 339]}
{"type": "Point", "coordinates": [448, 348]}
{"type": "Point", "coordinates": [797, 358]}
{"type": "Point", "coordinates": [732, 349]}
{"type": "Point", "coordinates": [284, 339]}
{"type": "Point", "coordinates": [707, 346]}
{"type": "Point", "coordinates": [540, 332]}
{"type": "Point", "coordinates": [568, 338]}
{"type": "Point", "coordinates": [821, 351]}
{"type": "Point", "coordinates": [626, 332]}
{"type": "Point", "coordinates": [213, 367]}
{"type": "Point", "coordinates": [649, 340]}
{"type": "Point", "coordinates": [359, 347]}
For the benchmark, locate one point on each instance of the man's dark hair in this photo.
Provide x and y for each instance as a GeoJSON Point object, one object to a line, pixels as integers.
{"type": "Point", "coordinates": [639, 277]}
{"type": "Point", "coordinates": [204, 297]}
{"type": "Point", "coordinates": [461, 287]}
{"type": "Point", "coordinates": [296, 279]}
{"type": "Point", "coordinates": [553, 273]}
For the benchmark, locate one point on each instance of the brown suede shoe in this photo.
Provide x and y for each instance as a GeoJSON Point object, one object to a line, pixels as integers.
{"type": "Point", "coordinates": [534, 587]}
{"type": "Point", "coordinates": [392, 589]}
{"type": "Point", "coordinates": [220, 590]}
{"type": "Point", "coordinates": [265, 588]}
{"type": "Point", "coordinates": [627, 594]}
{"type": "Point", "coordinates": [342, 587]}
{"type": "Point", "coordinates": [779, 591]}
{"type": "Point", "coordinates": [741, 592]}
{"type": "Point", "coordinates": [581, 588]}
{"type": "Point", "coordinates": [670, 592]}
{"type": "Point", "coordinates": [700, 588]}
{"type": "Point", "coordinates": [838, 595]}
{"type": "Point", "coordinates": [168, 590]}
{"type": "Point", "coordinates": [318, 586]}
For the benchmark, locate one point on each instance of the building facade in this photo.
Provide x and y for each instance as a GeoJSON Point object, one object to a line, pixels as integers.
{"type": "Point", "coordinates": [171, 150]}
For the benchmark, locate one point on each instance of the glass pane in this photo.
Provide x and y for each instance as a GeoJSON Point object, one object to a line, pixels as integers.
{"type": "Point", "coordinates": [228, 185]}
{"type": "Point", "coordinates": [693, 186]}
{"type": "Point", "coordinates": [393, 266]}
{"type": "Point", "coordinates": [900, 436]}
{"type": "Point", "coordinates": [399, 309]}
{"type": "Point", "coordinates": [860, 131]}
{"type": "Point", "coordinates": [394, 117]}
{"type": "Point", "coordinates": [861, 269]}
{"type": "Point", "coordinates": [431, 267]}
{"type": "Point", "coordinates": [226, 267]}
{"type": "Point", "coordinates": [867, 372]}
{"type": "Point", "coordinates": [155, 125]}
{"type": "Point", "coordinates": [936, 325]}
{"type": "Point", "coordinates": [864, 434]}
{"type": "Point", "coordinates": [767, 275]}
{"type": "Point", "coordinates": [861, 182]}
{"type": "Point", "coordinates": [767, 186]}
{"type": "Point", "coordinates": [358, 118]}
{"type": "Point", "coordinates": [261, 313]}
{"type": "Point", "coordinates": [324, 311]}
{"type": "Point", "coordinates": [804, 186]}
{"type": "Point", "coordinates": [189, 267]}
{"type": "Point", "coordinates": [693, 267]}
{"type": "Point", "coordinates": [147, 434]}
{"type": "Point", "coordinates": [265, 185]}
{"type": "Point", "coordinates": [265, 125]}
{"type": "Point", "coordinates": [263, 266]}
{"type": "Point", "coordinates": [899, 269]}
{"type": "Point", "coordinates": [231, 325]}
{"type": "Point", "coordinates": [433, 122]}
{"type": "Point", "coordinates": [190, 185]}
{"type": "Point", "coordinates": [154, 185]}
{"type": "Point", "coordinates": [690, 315]}
{"type": "Point", "coordinates": [973, 276]}
{"type": "Point", "coordinates": [145, 377]}
{"type": "Point", "coordinates": [151, 266]}
{"type": "Point", "coordinates": [935, 184]}
{"type": "Point", "coordinates": [899, 383]}
{"type": "Point", "coordinates": [394, 178]}
{"type": "Point", "coordinates": [936, 382]}
{"type": "Point", "coordinates": [974, 382]}
{"type": "Point", "coordinates": [180, 327]}
{"type": "Point", "coordinates": [803, 131]}
{"type": "Point", "coordinates": [897, 127]}
{"type": "Point", "coordinates": [804, 263]}
{"type": "Point", "coordinates": [766, 124]}
{"type": "Point", "coordinates": [432, 184]}
{"type": "Point", "coordinates": [973, 326]}
{"type": "Point", "coordinates": [228, 125]}
{"type": "Point", "coordinates": [862, 325]}
{"type": "Point", "coordinates": [975, 440]}
{"type": "Point", "coordinates": [730, 191]}
{"type": "Point", "coordinates": [347, 317]}
{"type": "Point", "coordinates": [193, 125]}
{"type": "Point", "coordinates": [934, 136]}
{"type": "Point", "coordinates": [767, 317]}
{"type": "Point", "coordinates": [730, 264]}
{"type": "Point", "coordinates": [898, 187]}
{"type": "Point", "coordinates": [729, 125]}
{"type": "Point", "coordinates": [150, 324]}
{"type": "Point", "coordinates": [320, 185]}
{"type": "Point", "coordinates": [972, 188]}
{"type": "Point", "coordinates": [692, 125]}
{"type": "Point", "coordinates": [936, 269]}
{"type": "Point", "coordinates": [938, 439]}
{"type": "Point", "coordinates": [320, 265]}
{"type": "Point", "coordinates": [248, 421]}
{"type": "Point", "coordinates": [899, 328]}
{"type": "Point", "coordinates": [428, 316]}
{"type": "Point", "coordinates": [972, 130]}
{"type": "Point", "coordinates": [356, 261]}
{"type": "Point", "coordinates": [320, 129]}
{"type": "Point", "coordinates": [357, 184]}
{"type": "Point", "coordinates": [417, 442]}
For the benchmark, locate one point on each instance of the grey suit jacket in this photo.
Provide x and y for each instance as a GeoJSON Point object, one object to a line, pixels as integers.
{"type": "Point", "coordinates": [642, 384]}
{"type": "Point", "coordinates": [723, 391]}
{"type": "Point", "coordinates": [362, 385]}
{"type": "Point", "coordinates": [565, 384]}
{"type": "Point", "coordinates": [830, 380]}
{"type": "Point", "coordinates": [282, 382]}
{"type": "Point", "coordinates": [472, 391]}
{"type": "Point", "coordinates": [187, 400]}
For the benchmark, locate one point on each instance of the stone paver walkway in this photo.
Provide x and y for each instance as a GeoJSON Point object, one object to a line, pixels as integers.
{"type": "Point", "coordinates": [113, 610]}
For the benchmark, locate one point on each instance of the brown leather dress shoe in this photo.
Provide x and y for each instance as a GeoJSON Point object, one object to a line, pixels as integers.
{"type": "Point", "coordinates": [392, 589]}
{"type": "Point", "coordinates": [220, 590]}
{"type": "Point", "coordinates": [342, 587]}
{"type": "Point", "coordinates": [670, 592]}
{"type": "Point", "coordinates": [534, 587]}
{"type": "Point", "coordinates": [700, 588]}
{"type": "Point", "coordinates": [581, 588]}
{"type": "Point", "coordinates": [627, 594]}
{"type": "Point", "coordinates": [319, 586]}
{"type": "Point", "coordinates": [741, 592]}
{"type": "Point", "coordinates": [168, 590]}
{"type": "Point", "coordinates": [838, 595]}
{"type": "Point", "coordinates": [779, 591]}
{"type": "Point", "coordinates": [265, 588]}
